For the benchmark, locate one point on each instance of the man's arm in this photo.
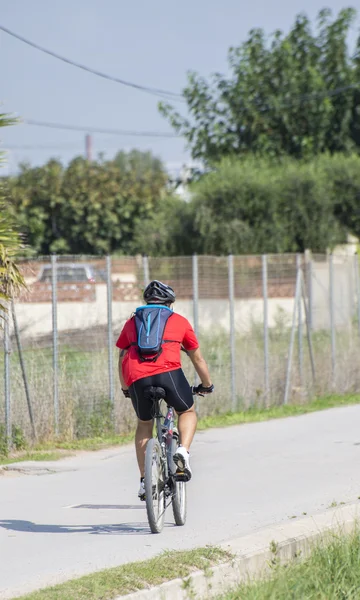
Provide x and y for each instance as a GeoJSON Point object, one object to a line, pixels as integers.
{"type": "Point", "coordinates": [121, 377]}
{"type": "Point", "coordinates": [200, 366]}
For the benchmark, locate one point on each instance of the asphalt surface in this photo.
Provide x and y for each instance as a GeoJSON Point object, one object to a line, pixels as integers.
{"type": "Point", "coordinates": [83, 515]}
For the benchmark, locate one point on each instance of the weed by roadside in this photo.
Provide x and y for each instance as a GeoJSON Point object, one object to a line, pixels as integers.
{"type": "Point", "coordinates": [104, 437]}
{"type": "Point", "coordinates": [131, 577]}
{"type": "Point", "coordinates": [330, 573]}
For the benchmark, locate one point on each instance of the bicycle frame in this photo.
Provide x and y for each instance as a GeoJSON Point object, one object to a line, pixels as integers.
{"type": "Point", "coordinates": [165, 433]}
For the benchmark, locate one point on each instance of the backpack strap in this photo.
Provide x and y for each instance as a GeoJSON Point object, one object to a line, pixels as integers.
{"type": "Point", "coordinates": [156, 356]}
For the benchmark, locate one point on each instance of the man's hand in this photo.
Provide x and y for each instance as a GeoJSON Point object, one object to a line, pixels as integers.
{"type": "Point", "coordinates": [201, 390]}
{"type": "Point", "coordinates": [126, 393]}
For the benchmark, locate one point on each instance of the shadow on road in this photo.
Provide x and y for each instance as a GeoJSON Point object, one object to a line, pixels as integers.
{"type": "Point", "coordinates": [111, 506]}
{"type": "Point", "coordinates": [110, 529]}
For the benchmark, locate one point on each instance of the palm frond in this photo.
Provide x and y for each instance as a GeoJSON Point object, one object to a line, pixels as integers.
{"type": "Point", "coordinates": [11, 280]}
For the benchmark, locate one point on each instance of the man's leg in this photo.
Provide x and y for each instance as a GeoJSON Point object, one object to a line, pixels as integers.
{"type": "Point", "coordinates": [187, 422]}
{"type": "Point", "coordinates": [143, 434]}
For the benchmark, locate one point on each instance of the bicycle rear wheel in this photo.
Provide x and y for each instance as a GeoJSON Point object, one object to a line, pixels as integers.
{"type": "Point", "coordinates": [179, 499]}
{"type": "Point", "coordinates": [154, 486]}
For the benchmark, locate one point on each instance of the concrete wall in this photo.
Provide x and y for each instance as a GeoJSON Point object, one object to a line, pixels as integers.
{"type": "Point", "coordinates": [344, 293]}
{"type": "Point", "coordinates": [35, 319]}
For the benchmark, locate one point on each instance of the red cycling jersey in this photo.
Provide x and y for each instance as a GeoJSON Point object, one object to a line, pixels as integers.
{"type": "Point", "coordinates": [177, 328]}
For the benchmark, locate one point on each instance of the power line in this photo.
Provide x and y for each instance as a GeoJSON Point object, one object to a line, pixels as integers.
{"type": "Point", "coordinates": [107, 143]}
{"type": "Point", "coordinates": [122, 132]}
{"type": "Point", "coordinates": [165, 94]}
{"type": "Point", "coordinates": [43, 146]}
{"type": "Point", "coordinates": [174, 96]}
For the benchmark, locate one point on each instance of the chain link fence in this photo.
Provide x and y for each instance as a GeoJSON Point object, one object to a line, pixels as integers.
{"type": "Point", "coordinates": [273, 329]}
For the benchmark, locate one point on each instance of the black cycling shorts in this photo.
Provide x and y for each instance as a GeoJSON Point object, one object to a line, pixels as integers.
{"type": "Point", "coordinates": [176, 386]}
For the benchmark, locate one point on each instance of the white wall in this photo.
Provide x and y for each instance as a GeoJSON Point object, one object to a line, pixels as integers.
{"type": "Point", "coordinates": [35, 319]}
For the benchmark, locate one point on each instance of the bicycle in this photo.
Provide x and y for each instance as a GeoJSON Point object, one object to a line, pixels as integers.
{"type": "Point", "coordinates": [163, 485]}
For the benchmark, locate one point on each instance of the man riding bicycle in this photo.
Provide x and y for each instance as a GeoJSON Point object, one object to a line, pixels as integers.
{"type": "Point", "coordinates": [163, 370]}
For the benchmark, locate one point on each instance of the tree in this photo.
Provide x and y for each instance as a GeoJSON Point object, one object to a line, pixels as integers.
{"type": "Point", "coordinates": [294, 95]}
{"type": "Point", "coordinates": [11, 280]}
{"type": "Point", "coordinates": [88, 207]}
{"type": "Point", "coordinates": [168, 231]}
{"type": "Point", "coordinates": [37, 201]}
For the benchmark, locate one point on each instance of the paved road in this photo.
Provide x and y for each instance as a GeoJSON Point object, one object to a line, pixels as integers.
{"type": "Point", "coordinates": [85, 516]}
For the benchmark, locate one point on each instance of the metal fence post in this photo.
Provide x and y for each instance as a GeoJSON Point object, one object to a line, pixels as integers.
{"type": "Point", "coordinates": [195, 278]}
{"type": "Point", "coordinates": [309, 265]}
{"type": "Point", "coordinates": [55, 341]}
{"type": "Point", "coordinates": [110, 332]}
{"type": "Point", "coordinates": [23, 370]}
{"type": "Point", "coordinates": [232, 331]}
{"type": "Point", "coordinates": [195, 272]}
{"type": "Point", "coordinates": [292, 337]}
{"type": "Point", "coordinates": [300, 333]}
{"type": "Point", "coordinates": [308, 330]}
{"type": "Point", "coordinates": [266, 328]}
{"type": "Point", "coordinates": [357, 286]}
{"type": "Point", "coordinates": [7, 352]}
{"type": "Point", "coordinates": [146, 271]}
{"type": "Point", "coordinates": [332, 318]}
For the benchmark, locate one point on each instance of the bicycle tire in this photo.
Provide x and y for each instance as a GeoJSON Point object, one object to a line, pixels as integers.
{"type": "Point", "coordinates": [179, 498]}
{"type": "Point", "coordinates": [154, 486]}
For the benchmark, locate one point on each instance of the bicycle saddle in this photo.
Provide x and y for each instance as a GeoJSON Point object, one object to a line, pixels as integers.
{"type": "Point", "coordinates": [154, 393]}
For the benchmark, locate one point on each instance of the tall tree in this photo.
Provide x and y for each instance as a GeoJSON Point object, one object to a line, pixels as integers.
{"type": "Point", "coordinates": [290, 95]}
{"type": "Point", "coordinates": [88, 207]}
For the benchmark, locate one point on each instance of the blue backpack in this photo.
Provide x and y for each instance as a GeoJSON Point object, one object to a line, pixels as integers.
{"type": "Point", "coordinates": [150, 322]}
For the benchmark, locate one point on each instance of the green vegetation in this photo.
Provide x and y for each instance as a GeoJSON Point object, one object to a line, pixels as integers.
{"type": "Point", "coordinates": [253, 206]}
{"type": "Point", "coordinates": [247, 205]}
{"type": "Point", "coordinates": [330, 573]}
{"type": "Point", "coordinates": [87, 414]}
{"type": "Point", "coordinates": [255, 415]}
{"type": "Point", "coordinates": [11, 281]}
{"type": "Point", "coordinates": [37, 456]}
{"type": "Point", "coordinates": [87, 207]}
{"type": "Point", "coordinates": [55, 450]}
{"type": "Point", "coordinates": [131, 577]}
{"type": "Point", "coordinates": [280, 143]}
{"type": "Point", "coordinates": [279, 98]}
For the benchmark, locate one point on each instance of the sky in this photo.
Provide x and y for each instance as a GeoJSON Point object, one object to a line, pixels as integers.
{"type": "Point", "coordinates": [151, 43]}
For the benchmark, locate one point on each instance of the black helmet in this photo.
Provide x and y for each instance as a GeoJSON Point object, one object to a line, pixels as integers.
{"type": "Point", "coordinates": [159, 292]}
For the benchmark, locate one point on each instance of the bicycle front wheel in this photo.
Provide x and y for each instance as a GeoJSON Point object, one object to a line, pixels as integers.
{"type": "Point", "coordinates": [154, 486]}
{"type": "Point", "coordinates": [179, 501]}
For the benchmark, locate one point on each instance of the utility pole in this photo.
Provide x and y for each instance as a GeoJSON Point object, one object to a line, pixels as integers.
{"type": "Point", "coordinates": [88, 147]}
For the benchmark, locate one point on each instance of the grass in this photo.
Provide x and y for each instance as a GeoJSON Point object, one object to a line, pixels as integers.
{"type": "Point", "coordinates": [122, 580]}
{"type": "Point", "coordinates": [255, 415]}
{"type": "Point", "coordinates": [332, 572]}
{"type": "Point", "coordinates": [93, 443]}
{"type": "Point", "coordinates": [85, 409]}
{"type": "Point", "coordinates": [55, 450]}
{"type": "Point", "coordinates": [32, 455]}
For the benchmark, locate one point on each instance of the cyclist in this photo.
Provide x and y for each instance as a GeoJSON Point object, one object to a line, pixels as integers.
{"type": "Point", "coordinates": [166, 372]}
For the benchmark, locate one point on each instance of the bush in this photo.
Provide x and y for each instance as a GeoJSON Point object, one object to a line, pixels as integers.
{"type": "Point", "coordinates": [97, 422]}
{"type": "Point", "coordinates": [256, 206]}
{"type": "Point", "coordinates": [17, 442]}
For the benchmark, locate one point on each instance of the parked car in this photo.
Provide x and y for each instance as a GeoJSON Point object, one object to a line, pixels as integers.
{"type": "Point", "coordinates": [71, 273]}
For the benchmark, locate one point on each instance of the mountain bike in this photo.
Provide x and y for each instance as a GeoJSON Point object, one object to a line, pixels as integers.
{"type": "Point", "coordinates": [163, 484]}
